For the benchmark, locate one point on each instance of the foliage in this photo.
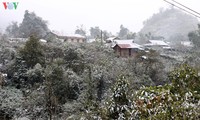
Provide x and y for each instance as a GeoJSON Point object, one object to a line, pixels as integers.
{"type": "Point", "coordinates": [64, 85]}
{"type": "Point", "coordinates": [7, 55]}
{"type": "Point", "coordinates": [80, 30]}
{"type": "Point", "coordinates": [131, 35]}
{"type": "Point", "coordinates": [106, 34]}
{"type": "Point", "coordinates": [185, 79]}
{"type": "Point", "coordinates": [18, 73]}
{"type": "Point", "coordinates": [173, 101]}
{"type": "Point", "coordinates": [88, 97]}
{"type": "Point", "coordinates": [141, 38]}
{"type": "Point", "coordinates": [123, 33]}
{"type": "Point", "coordinates": [53, 76]}
{"type": "Point", "coordinates": [74, 59]}
{"type": "Point", "coordinates": [10, 102]}
{"type": "Point", "coordinates": [118, 105]}
{"type": "Point", "coordinates": [35, 75]}
{"type": "Point", "coordinates": [32, 52]}
{"type": "Point", "coordinates": [32, 25]}
{"type": "Point", "coordinates": [95, 32]}
{"type": "Point", "coordinates": [52, 51]}
{"type": "Point", "coordinates": [194, 36]}
{"type": "Point", "coordinates": [13, 29]}
{"type": "Point", "coordinates": [160, 103]}
{"type": "Point", "coordinates": [81, 81]}
{"type": "Point", "coordinates": [154, 67]}
{"type": "Point", "coordinates": [33, 106]}
{"type": "Point", "coordinates": [148, 68]}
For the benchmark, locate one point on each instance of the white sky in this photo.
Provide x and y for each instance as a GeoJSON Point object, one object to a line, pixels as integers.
{"type": "Point", "coordinates": [65, 15]}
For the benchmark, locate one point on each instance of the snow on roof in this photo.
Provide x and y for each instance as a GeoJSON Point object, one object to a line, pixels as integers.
{"type": "Point", "coordinates": [156, 42]}
{"type": "Point", "coordinates": [112, 38]}
{"type": "Point", "coordinates": [168, 47]}
{"type": "Point", "coordinates": [187, 43]}
{"type": "Point", "coordinates": [127, 42]}
{"type": "Point", "coordinates": [124, 41]}
{"type": "Point", "coordinates": [68, 35]}
{"type": "Point", "coordinates": [129, 46]}
{"type": "Point", "coordinates": [124, 45]}
{"type": "Point", "coordinates": [74, 35]}
{"type": "Point", "coordinates": [22, 39]}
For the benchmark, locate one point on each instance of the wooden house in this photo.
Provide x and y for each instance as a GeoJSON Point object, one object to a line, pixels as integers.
{"type": "Point", "coordinates": [75, 38]}
{"type": "Point", "coordinates": [127, 50]}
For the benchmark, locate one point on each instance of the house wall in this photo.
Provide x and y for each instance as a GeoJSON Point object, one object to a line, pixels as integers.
{"type": "Point", "coordinates": [117, 50]}
{"type": "Point", "coordinates": [125, 52]}
{"type": "Point", "coordinates": [134, 52]}
{"type": "Point", "coordinates": [75, 40]}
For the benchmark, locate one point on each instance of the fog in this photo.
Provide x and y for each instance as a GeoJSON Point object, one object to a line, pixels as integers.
{"type": "Point", "coordinates": [64, 16]}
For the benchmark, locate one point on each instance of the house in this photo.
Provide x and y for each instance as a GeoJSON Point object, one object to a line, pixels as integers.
{"type": "Point", "coordinates": [187, 43]}
{"type": "Point", "coordinates": [17, 39]}
{"type": "Point", "coordinates": [157, 45]}
{"type": "Point", "coordinates": [76, 38]}
{"type": "Point", "coordinates": [126, 48]}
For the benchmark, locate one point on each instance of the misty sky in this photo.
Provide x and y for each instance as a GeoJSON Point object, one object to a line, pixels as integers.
{"type": "Point", "coordinates": [65, 15]}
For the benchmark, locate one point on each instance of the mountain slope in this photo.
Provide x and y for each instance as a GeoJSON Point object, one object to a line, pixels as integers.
{"type": "Point", "coordinates": [172, 24]}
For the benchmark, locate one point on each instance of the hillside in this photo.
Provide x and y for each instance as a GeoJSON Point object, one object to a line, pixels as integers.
{"type": "Point", "coordinates": [172, 24]}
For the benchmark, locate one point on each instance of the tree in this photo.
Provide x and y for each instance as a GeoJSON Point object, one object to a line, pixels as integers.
{"type": "Point", "coordinates": [154, 67]}
{"type": "Point", "coordinates": [52, 51]}
{"type": "Point", "coordinates": [35, 75]}
{"type": "Point", "coordinates": [106, 34]}
{"type": "Point", "coordinates": [18, 72]}
{"type": "Point", "coordinates": [11, 99]}
{"type": "Point", "coordinates": [32, 52]}
{"type": "Point", "coordinates": [194, 36]}
{"type": "Point", "coordinates": [178, 100]}
{"type": "Point", "coordinates": [185, 79]}
{"type": "Point", "coordinates": [118, 107]}
{"type": "Point", "coordinates": [64, 85]}
{"type": "Point", "coordinates": [131, 35]}
{"type": "Point", "coordinates": [95, 32]}
{"type": "Point", "coordinates": [80, 30]}
{"type": "Point", "coordinates": [123, 32]}
{"type": "Point", "coordinates": [142, 39]}
{"type": "Point", "coordinates": [60, 87]}
{"type": "Point", "coordinates": [53, 77]}
{"type": "Point", "coordinates": [13, 29]}
{"type": "Point", "coordinates": [6, 55]}
{"type": "Point", "coordinates": [74, 60]}
{"type": "Point", "coordinates": [159, 102]}
{"type": "Point", "coordinates": [33, 25]}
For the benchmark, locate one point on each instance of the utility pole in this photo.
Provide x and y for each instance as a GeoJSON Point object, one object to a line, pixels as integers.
{"type": "Point", "coordinates": [101, 37]}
